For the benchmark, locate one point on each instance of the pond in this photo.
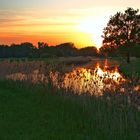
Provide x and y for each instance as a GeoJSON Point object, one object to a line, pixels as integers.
{"type": "Point", "coordinates": [94, 78]}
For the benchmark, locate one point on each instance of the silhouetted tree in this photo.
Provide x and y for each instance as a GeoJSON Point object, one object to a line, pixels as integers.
{"type": "Point", "coordinates": [123, 30]}
{"type": "Point", "coordinates": [43, 49]}
{"type": "Point", "coordinates": [16, 50]}
{"type": "Point", "coordinates": [42, 45]}
{"type": "Point", "coordinates": [88, 51]}
{"type": "Point", "coordinates": [66, 49]}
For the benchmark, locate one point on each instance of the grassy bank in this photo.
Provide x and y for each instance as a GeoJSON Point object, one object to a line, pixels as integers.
{"type": "Point", "coordinates": [131, 69]}
{"type": "Point", "coordinates": [37, 112]}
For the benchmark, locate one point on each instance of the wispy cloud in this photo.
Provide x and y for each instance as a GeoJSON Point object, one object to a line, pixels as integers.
{"type": "Point", "coordinates": [32, 18]}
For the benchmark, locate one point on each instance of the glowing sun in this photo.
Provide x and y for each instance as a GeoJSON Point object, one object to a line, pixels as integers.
{"type": "Point", "coordinates": [94, 26]}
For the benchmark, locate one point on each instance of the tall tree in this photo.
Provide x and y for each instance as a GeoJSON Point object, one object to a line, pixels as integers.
{"type": "Point", "coordinates": [123, 30]}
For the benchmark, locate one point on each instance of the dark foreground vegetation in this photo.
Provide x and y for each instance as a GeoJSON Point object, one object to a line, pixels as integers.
{"type": "Point", "coordinates": [132, 69]}
{"type": "Point", "coordinates": [39, 112]}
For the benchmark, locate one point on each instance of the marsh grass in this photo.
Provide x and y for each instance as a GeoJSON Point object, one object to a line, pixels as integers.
{"type": "Point", "coordinates": [41, 111]}
{"type": "Point", "coordinates": [132, 69]}
{"type": "Point", "coordinates": [38, 112]}
{"type": "Point", "coordinates": [62, 77]}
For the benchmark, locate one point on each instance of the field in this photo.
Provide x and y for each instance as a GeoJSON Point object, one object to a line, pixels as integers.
{"type": "Point", "coordinates": [38, 110]}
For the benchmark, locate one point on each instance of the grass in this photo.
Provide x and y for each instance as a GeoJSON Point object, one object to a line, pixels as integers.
{"type": "Point", "coordinates": [38, 112]}
{"type": "Point", "coordinates": [131, 69]}
{"type": "Point", "coordinates": [66, 60]}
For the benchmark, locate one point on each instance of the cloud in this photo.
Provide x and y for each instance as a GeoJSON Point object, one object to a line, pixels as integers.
{"type": "Point", "coordinates": [25, 18]}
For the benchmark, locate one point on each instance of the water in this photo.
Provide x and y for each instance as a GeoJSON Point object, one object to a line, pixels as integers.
{"type": "Point", "coordinates": [79, 80]}
{"type": "Point", "coordinates": [94, 78]}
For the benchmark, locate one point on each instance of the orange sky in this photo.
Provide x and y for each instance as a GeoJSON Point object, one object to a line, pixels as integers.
{"type": "Point", "coordinates": [57, 21]}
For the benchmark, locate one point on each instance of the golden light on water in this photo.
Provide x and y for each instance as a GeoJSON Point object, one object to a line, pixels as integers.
{"type": "Point", "coordinates": [92, 81]}
{"type": "Point", "coordinates": [79, 80]}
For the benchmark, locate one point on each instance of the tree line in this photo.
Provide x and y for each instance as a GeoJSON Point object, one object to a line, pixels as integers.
{"type": "Point", "coordinates": [43, 50]}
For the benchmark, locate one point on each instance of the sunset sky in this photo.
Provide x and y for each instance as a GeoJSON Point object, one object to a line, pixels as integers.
{"type": "Point", "coordinates": [57, 21]}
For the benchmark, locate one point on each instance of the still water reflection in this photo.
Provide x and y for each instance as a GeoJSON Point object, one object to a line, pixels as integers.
{"type": "Point", "coordinates": [79, 80]}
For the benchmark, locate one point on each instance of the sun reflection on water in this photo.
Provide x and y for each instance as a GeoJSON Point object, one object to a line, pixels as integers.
{"type": "Point", "coordinates": [79, 80]}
